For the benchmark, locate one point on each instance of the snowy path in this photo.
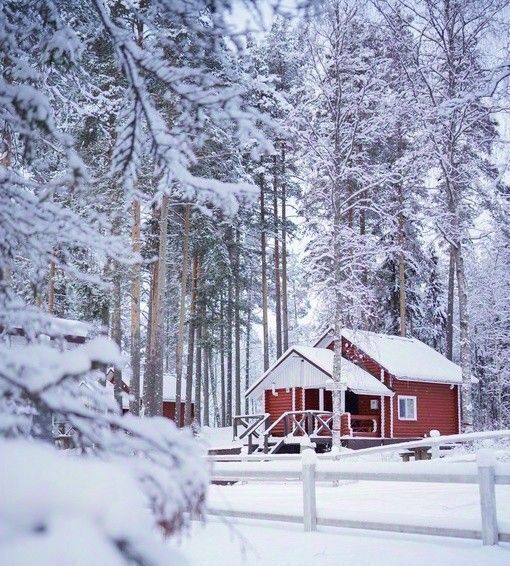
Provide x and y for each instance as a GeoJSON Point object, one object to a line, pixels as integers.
{"type": "Point", "coordinates": [440, 505]}
{"type": "Point", "coordinates": [276, 544]}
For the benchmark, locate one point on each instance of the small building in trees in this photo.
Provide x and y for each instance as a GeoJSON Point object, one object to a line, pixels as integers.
{"type": "Point", "coordinates": [169, 406]}
{"type": "Point", "coordinates": [395, 389]}
{"type": "Point", "coordinates": [169, 396]}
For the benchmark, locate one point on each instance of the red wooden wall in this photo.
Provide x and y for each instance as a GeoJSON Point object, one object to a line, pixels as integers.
{"type": "Point", "coordinates": [437, 408]}
{"type": "Point", "coordinates": [276, 405]}
{"type": "Point", "coordinates": [169, 410]}
{"type": "Point", "coordinates": [437, 403]}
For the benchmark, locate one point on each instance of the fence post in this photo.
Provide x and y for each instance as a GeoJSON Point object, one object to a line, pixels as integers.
{"type": "Point", "coordinates": [309, 462]}
{"type": "Point", "coordinates": [486, 461]}
{"type": "Point", "coordinates": [434, 449]}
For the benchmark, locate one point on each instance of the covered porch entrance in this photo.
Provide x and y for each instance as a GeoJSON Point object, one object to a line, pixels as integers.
{"type": "Point", "coordinates": [363, 413]}
{"type": "Point", "coordinates": [297, 402]}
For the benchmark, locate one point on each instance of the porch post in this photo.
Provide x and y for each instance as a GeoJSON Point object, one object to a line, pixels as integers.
{"type": "Point", "coordinates": [321, 399]}
{"type": "Point", "coordinates": [391, 416]}
{"type": "Point", "coordinates": [383, 415]}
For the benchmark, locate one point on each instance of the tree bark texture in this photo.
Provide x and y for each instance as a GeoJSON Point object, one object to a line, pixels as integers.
{"type": "Point", "coordinates": [237, 329]}
{"type": "Point", "coordinates": [182, 314]}
{"type": "Point", "coordinates": [265, 325]}
{"type": "Point", "coordinates": [136, 287]}
{"type": "Point", "coordinates": [285, 298]}
{"type": "Point", "coordinates": [276, 259]}
{"type": "Point", "coordinates": [191, 343]}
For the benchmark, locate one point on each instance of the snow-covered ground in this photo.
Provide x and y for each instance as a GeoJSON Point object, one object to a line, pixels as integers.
{"type": "Point", "coordinates": [259, 543]}
{"type": "Point", "coordinates": [233, 541]}
{"type": "Point", "coordinates": [219, 438]}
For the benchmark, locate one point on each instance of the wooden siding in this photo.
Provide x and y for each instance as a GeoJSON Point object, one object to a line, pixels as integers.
{"type": "Point", "coordinates": [437, 403]}
{"type": "Point", "coordinates": [276, 405]}
{"type": "Point", "coordinates": [169, 410]}
{"type": "Point", "coordinates": [436, 409]}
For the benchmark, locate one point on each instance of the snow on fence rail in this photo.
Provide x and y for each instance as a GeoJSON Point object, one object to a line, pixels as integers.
{"type": "Point", "coordinates": [432, 441]}
{"type": "Point", "coordinates": [486, 473]}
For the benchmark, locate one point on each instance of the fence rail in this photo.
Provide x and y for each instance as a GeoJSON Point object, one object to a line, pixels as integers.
{"type": "Point", "coordinates": [486, 473]}
{"type": "Point", "coordinates": [428, 442]}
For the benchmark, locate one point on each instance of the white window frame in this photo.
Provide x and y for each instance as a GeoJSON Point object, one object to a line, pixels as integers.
{"type": "Point", "coordinates": [414, 399]}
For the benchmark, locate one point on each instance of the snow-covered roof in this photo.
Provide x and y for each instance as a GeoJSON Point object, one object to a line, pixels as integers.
{"type": "Point", "coordinates": [305, 366]}
{"type": "Point", "coordinates": [404, 358]}
{"type": "Point", "coordinates": [69, 327]}
{"type": "Point", "coordinates": [169, 386]}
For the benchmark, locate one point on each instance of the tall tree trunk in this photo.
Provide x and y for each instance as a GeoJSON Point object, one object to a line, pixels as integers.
{"type": "Point", "coordinates": [51, 288]}
{"type": "Point", "coordinates": [148, 374]}
{"type": "Point", "coordinates": [213, 379]}
{"type": "Point", "coordinates": [198, 372]}
{"type": "Point", "coordinates": [230, 321]}
{"type": "Point", "coordinates": [237, 328]}
{"type": "Point", "coordinates": [191, 343]}
{"type": "Point", "coordinates": [206, 378]}
{"type": "Point", "coordinates": [401, 277]}
{"type": "Point", "coordinates": [276, 259]}
{"type": "Point", "coordinates": [285, 298]}
{"type": "Point", "coordinates": [337, 194]}
{"type": "Point", "coordinates": [265, 325]}
{"type": "Point", "coordinates": [451, 303]}
{"type": "Point", "coordinates": [247, 351]}
{"type": "Point", "coordinates": [182, 315]}
{"type": "Point", "coordinates": [155, 351]}
{"type": "Point", "coordinates": [116, 331]}
{"type": "Point", "coordinates": [338, 393]}
{"type": "Point", "coordinates": [465, 342]}
{"type": "Point", "coordinates": [136, 282]}
{"type": "Point", "coordinates": [136, 287]}
{"type": "Point", "coordinates": [222, 362]}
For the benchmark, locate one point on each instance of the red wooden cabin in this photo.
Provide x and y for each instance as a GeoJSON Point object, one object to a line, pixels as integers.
{"type": "Point", "coordinates": [395, 388]}
{"type": "Point", "coordinates": [169, 404]}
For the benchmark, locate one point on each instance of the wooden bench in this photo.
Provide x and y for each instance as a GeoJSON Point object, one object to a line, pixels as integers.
{"type": "Point", "coordinates": [406, 455]}
{"type": "Point", "coordinates": [418, 453]}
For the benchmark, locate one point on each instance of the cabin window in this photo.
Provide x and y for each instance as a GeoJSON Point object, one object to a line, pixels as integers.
{"type": "Point", "coordinates": [407, 408]}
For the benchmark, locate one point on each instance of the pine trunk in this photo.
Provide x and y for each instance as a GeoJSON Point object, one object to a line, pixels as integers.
{"type": "Point", "coordinates": [285, 298]}
{"type": "Point", "coordinates": [401, 264]}
{"type": "Point", "coordinates": [191, 344]}
{"type": "Point", "coordinates": [51, 288]}
{"type": "Point", "coordinates": [222, 362]}
{"type": "Point", "coordinates": [155, 350]}
{"type": "Point", "coordinates": [228, 409]}
{"type": "Point", "coordinates": [465, 343]}
{"type": "Point", "coordinates": [213, 380]}
{"type": "Point", "coordinates": [134, 385]}
{"type": "Point", "coordinates": [451, 304]}
{"type": "Point", "coordinates": [206, 381]}
{"type": "Point", "coordinates": [247, 354]}
{"type": "Point", "coordinates": [198, 374]}
{"type": "Point", "coordinates": [116, 331]}
{"type": "Point", "coordinates": [265, 325]}
{"type": "Point", "coordinates": [237, 329]}
{"type": "Point", "coordinates": [276, 259]}
{"type": "Point", "coordinates": [182, 315]}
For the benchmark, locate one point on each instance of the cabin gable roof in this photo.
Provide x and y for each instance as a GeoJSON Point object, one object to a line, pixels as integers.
{"type": "Point", "coordinates": [305, 366]}
{"type": "Point", "coordinates": [407, 359]}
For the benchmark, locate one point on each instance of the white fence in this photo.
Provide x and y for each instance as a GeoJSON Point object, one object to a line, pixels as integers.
{"type": "Point", "coordinates": [434, 441]}
{"type": "Point", "coordinates": [486, 473]}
